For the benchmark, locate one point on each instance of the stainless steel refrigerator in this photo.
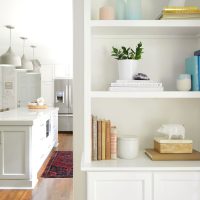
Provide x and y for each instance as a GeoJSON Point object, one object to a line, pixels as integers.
{"type": "Point", "coordinates": [63, 99]}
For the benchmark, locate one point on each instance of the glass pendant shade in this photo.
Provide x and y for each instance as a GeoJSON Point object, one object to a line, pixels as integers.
{"type": "Point", "coordinates": [35, 62]}
{"type": "Point", "coordinates": [26, 63]}
{"type": "Point", "coordinates": [10, 58]}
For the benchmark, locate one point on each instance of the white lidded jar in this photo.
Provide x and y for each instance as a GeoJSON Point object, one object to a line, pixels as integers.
{"type": "Point", "coordinates": [127, 146]}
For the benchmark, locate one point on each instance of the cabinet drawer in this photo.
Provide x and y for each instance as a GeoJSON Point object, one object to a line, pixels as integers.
{"type": "Point", "coordinates": [177, 185]}
{"type": "Point", "coordinates": [119, 186]}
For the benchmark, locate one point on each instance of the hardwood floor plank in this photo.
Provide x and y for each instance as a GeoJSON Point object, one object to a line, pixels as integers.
{"type": "Point", "coordinates": [47, 188]}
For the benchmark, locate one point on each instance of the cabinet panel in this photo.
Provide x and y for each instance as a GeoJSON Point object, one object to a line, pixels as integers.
{"type": "Point", "coordinates": [119, 185]}
{"type": "Point", "coordinates": [48, 92]}
{"type": "Point", "coordinates": [14, 152]}
{"type": "Point", "coordinates": [177, 186]}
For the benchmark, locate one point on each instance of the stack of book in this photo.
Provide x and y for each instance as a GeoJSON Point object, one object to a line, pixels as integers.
{"type": "Point", "coordinates": [186, 12]}
{"type": "Point", "coordinates": [104, 140]}
{"type": "Point", "coordinates": [135, 86]}
{"type": "Point", "coordinates": [172, 149]}
{"type": "Point", "coordinates": [192, 67]}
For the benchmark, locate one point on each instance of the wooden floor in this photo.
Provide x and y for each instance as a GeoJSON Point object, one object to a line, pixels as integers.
{"type": "Point", "coordinates": [47, 188]}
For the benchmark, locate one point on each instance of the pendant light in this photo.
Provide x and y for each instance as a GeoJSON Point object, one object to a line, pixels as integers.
{"type": "Point", "coordinates": [10, 58]}
{"type": "Point", "coordinates": [26, 64]}
{"type": "Point", "coordinates": [35, 62]}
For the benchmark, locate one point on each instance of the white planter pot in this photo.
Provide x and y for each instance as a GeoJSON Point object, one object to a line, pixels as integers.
{"type": "Point", "coordinates": [176, 2]}
{"type": "Point", "coordinates": [127, 69]}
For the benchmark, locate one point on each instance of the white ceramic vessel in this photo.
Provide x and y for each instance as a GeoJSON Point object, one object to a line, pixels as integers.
{"type": "Point", "coordinates": [127, 147]}
{"type": "Point", "coordinates": [127, 69]}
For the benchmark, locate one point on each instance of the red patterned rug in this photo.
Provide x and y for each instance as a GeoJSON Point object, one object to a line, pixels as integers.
{"type": "Point", "coordinates": [60, 165]}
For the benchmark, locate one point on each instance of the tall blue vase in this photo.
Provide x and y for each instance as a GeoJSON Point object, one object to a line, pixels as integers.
{"type": "Point", "coordinates": [133, 9]}
{"type": "Point", "coordinates": [120, 7]}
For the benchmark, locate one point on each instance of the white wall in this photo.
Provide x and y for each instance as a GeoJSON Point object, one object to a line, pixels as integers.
{"type": "Point", "coordinates": [46, 23]}
{"type": "Point", "coordinates": [79, 177]}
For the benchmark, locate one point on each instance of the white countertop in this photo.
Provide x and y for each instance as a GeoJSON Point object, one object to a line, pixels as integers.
{"type": "Point", "coordinates": [24, 116]}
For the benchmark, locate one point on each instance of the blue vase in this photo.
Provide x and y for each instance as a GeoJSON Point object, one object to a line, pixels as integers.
{"type": "Point", "coordinates": [120, 6]}
{"type": "Point", "coordinates": [133, 9]}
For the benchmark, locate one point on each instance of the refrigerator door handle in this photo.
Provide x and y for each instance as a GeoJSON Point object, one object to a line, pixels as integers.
{"type": "Point", "coordinates": [67, 96]}
{"type": "Point", "coordinates": [70, 96]}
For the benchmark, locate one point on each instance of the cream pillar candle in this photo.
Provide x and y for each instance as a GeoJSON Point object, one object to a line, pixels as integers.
{"type": "Point", "coordinates": [106, 13]}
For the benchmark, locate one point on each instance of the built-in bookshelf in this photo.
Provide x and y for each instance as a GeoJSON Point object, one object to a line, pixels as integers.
{"type": "Point", "coordinates": [166, 45]}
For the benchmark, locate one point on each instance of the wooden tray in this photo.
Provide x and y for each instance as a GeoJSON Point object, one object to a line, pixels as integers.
{"type": "Point", "coordinates": [37, 107]}
{"type": "Point", "coordinates": [154, 155]}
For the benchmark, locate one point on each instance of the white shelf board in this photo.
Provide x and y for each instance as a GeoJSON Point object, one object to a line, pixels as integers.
{"type": "Point", "coordinates": [141, 163]}
{"type": "Point", "coordinates": [145, 27]}
{"type": "Point", "coordinates": [164, 94]}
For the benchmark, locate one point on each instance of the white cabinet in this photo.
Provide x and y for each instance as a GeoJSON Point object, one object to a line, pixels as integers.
{"type": "Point", "coordinates": [26, 140]}
{"type": "Point", "coordinates": [177, 186]}
{"type": "Point", "coordinates": [171, 185]}
{"type": "Point", "coordinates": [28, 87]}
{"type": "Point", "coordinates": [119, 185]}
{"type": "Point", "coordinates": [14, 152]}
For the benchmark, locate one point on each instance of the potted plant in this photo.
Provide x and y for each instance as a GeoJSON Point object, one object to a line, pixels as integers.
{"type": "Point", "coordinates": [127, 60]}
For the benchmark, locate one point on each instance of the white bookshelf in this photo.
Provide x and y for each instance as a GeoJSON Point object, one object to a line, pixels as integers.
{"type": "Point", "coordinates": [141, 163]}
{"type": "Point", "coordinates": [145, 27]}
{"type": "Point", "coordinates": [166, 45]}
{"type": "Point", "coordinates": [159, 95]}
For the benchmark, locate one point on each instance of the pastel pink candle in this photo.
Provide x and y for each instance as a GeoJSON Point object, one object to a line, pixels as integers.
{"type": "Point", "coordinates": [107, 13]}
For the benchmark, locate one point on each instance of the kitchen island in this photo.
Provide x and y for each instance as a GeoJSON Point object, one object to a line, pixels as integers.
{"type": "Point", "coordinates": [27, 136]}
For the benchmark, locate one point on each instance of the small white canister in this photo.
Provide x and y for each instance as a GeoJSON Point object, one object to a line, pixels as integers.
{"type": "Point", "coordinates": [127, 147]}
{"type": "Point", "coordinates": [183, 82]}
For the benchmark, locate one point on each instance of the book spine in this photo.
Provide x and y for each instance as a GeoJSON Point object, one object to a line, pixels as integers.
{"type": "Point", "coordinates": [137, 85]}
{"type": "Point", "coordinates": [103, 139]}
{"type": "Point", "coordinates": [108, 149]}
{"type": "Point", "coordinates": [197, 53]}
{"type": "Point", "coordinates": [199, 71]}
{"type": "Point", "coordinates": [113, 143]}
{"type": "Point", "coordinates": [94, 138]}
{"type": "Point", "coordinates": [180, 8]}
{"type": "Point", "coordinates": [99, 143]}
{"type": "Point", "coordinates": [132, 89]}
{"type": "Point", "coordinates": [182, 12]}
{"type": "Point", "coordinates": [191, 67]}
{"type": "Point", "coordinates": [136, 81]}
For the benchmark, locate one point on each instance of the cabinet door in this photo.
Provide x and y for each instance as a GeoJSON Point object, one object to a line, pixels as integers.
{"type": "Point", "coordinates": [177, 186]}
{"type": "Point", "coordinates": [14, 153]}
{"type": "Point", "coordinates": [119, 186]}
{"type": "Point", "coordinates": [54, 127]}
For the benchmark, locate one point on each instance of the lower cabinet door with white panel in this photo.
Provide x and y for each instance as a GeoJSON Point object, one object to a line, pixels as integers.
{"type": "Point", "coordinates": [14, 153]}
{"type": "Point", "coordinates": [177, 186]}
{"type": "Point", "coordinates": [119, 186]}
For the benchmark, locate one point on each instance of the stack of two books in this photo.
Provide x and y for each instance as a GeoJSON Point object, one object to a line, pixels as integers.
{"type": "Point", "coordinates": [104, 140]}
{"type": "Point", "coordinates": [185, 12]}
{"type": "Point", "coordinates": [136, 86]}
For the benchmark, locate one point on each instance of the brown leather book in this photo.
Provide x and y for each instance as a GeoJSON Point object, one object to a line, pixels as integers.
{"type": "Point", "coordinates": [108, 140]}
{"type": "Point", "coordinates": [99, 140]}
{"type": "Point", "coordinates": [154, 155]}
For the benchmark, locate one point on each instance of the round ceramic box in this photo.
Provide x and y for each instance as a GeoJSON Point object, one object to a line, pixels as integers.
{"type": "Point", "coordinates": [127, 147]}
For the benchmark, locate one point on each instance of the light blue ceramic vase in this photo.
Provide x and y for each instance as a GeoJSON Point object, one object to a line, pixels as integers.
{"type": "Point", "coordinates": [133, 10]}
{"type": "Point", "coordinates": [120, 7]}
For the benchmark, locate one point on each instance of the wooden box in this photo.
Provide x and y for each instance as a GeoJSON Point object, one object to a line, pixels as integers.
{"type": "Point", "coordinates": [172, 146]}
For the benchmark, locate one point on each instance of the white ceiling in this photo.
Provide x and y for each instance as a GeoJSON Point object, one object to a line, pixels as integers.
{"type": "Point", "coordinates": [46, 23]}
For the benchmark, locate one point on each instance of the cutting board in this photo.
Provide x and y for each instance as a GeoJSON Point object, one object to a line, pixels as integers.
{"type": "Point", "coordinates": [37, 107]}
{"type": "Point", "coordinates": [154, 155]}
